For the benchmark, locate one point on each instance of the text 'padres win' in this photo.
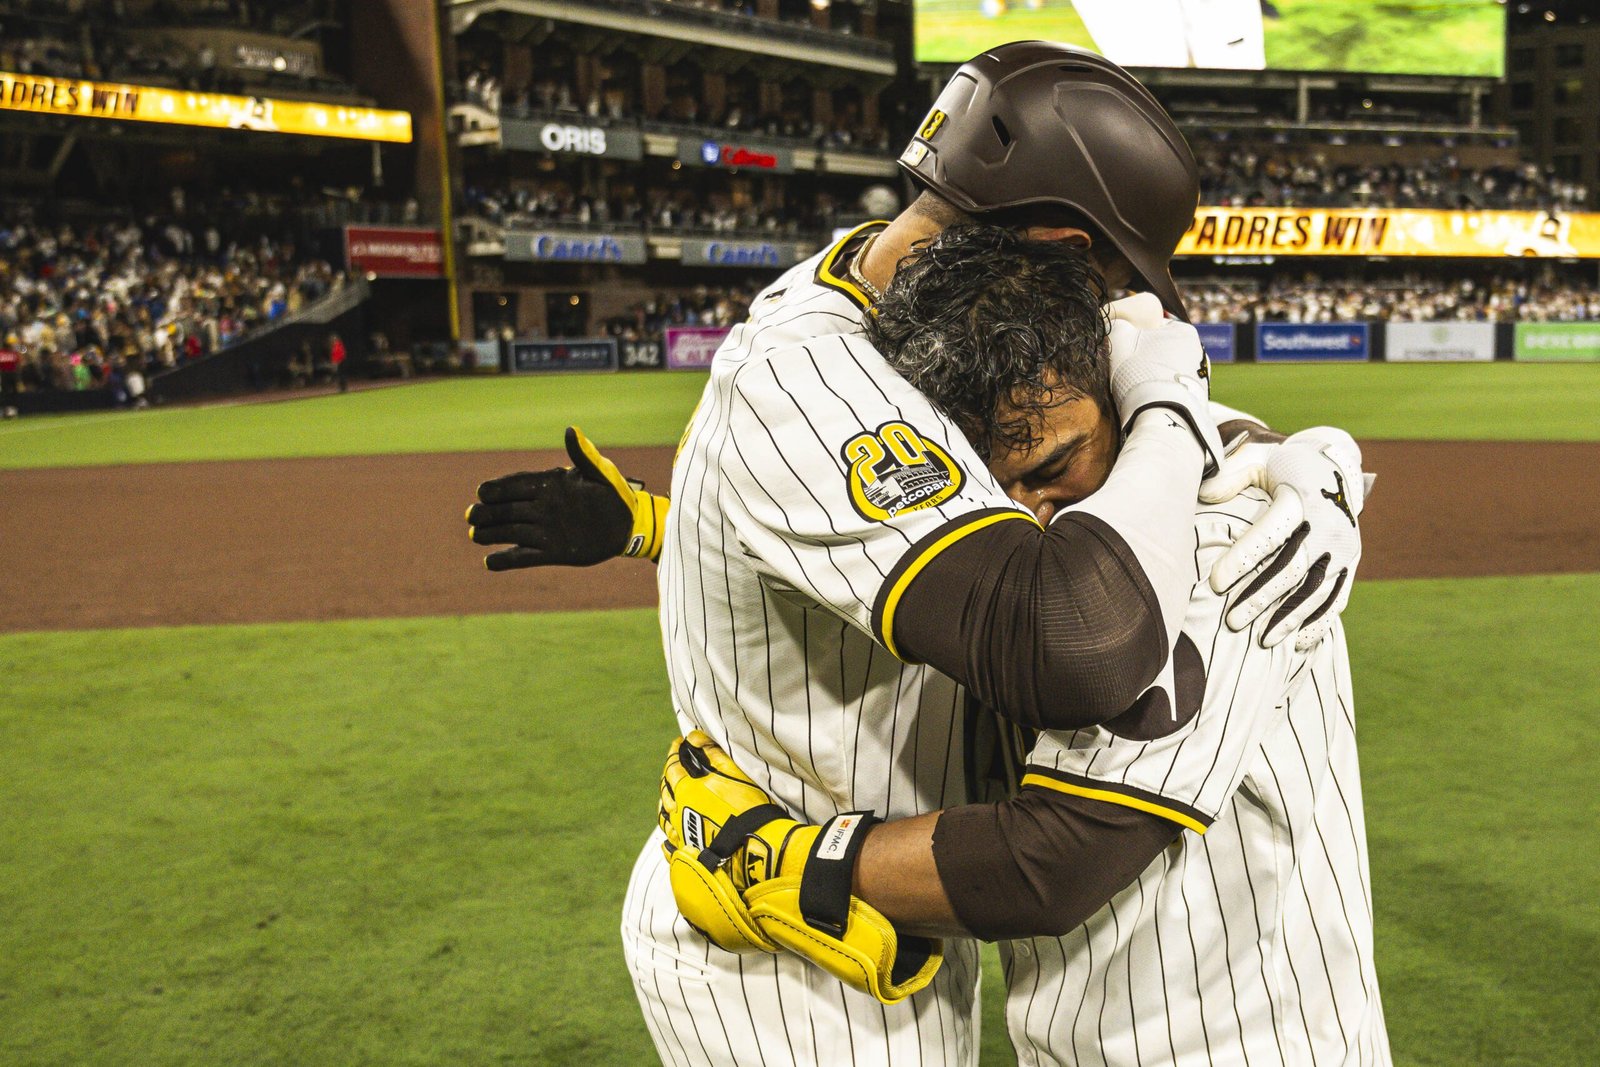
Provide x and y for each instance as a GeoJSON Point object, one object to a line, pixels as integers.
{"type": "Point", "coordinates": [148, 103]}
{"type": "Point", "coordinates": [1288, 231]}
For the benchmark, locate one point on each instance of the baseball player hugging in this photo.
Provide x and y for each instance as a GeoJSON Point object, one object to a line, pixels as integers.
{"type": "Point", "coordinates": [1182, 882]}
{"type": "Point", "coordinates": [936, 503]}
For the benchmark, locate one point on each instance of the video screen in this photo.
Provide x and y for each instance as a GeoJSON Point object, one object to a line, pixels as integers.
{"type": "Point", "coordinates": [1456, 37]}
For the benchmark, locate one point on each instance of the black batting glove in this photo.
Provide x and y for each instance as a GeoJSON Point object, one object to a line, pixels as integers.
{"type": "Point", "coordinates": [573, 516]}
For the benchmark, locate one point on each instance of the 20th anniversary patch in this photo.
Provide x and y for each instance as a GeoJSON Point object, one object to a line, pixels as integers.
{"type": "Point", "coordinates": [894, 469]}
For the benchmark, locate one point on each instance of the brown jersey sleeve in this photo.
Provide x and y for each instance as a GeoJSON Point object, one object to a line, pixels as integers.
{"type": "Point", "coordinates": [1057, 627]}
{"type": "Point", "coordinates": [1040, 864]}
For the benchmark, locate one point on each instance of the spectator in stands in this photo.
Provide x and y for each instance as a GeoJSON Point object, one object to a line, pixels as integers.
{"type": "Point", "coordinates": [675, 209]}
{"type": "Point", "coordinates": [1248, 176]}
{"type": "Point", "coordinates": [1546, 295]}
{"type": "Point", "coordinates": [10, 364]}
{"type": "Point", "coordinates": [702, 306]}
{"type": "Point", "coordinates": [126, 295]}
{"type": "Point", "coordinates": [336, 357]}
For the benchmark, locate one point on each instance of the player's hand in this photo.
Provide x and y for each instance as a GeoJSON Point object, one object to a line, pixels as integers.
{"type": "Point", "coordinates": [568, 516]}
{"type": "Point", "coordinates": [702, 791]}
{"type": "Point", "coordinates": [1300, 557]}
{"type": "Point", "coordinates": [752, 879]}
{"type": "Point", "coordinates": [1159, 362]}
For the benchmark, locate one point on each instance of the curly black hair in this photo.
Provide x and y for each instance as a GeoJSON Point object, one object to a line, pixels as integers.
{"type": "Point", "coordinates": [980, 316]}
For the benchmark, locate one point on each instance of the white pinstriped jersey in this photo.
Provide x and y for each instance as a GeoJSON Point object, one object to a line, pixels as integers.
{"type": "Point", "coordinates": [808, 472]}
{"type": "Point", "coordinates": [1249, 940]}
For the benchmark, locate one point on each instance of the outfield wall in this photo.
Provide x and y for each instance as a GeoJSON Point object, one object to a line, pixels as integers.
{"type": "Point", "coordinates": [691, 347]}
{"type": "Point", "coordinates": [1402, 342]}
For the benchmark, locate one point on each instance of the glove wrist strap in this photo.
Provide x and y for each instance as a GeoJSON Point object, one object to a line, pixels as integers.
{"type": "Point", "coordinates": [736, 831]}
{"type": "Point", "coordinates": [649, 525]}
{"type": "Point", "coordinates": [825, 890]}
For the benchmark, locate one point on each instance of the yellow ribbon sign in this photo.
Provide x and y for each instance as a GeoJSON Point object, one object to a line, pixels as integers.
{"type": "Point", "coordinates": [1288, 231]}
{"type": "Point", "coordinates": [179, 107]}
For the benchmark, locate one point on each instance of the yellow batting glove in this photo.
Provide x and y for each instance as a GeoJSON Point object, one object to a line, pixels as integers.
{"type": "Point", "coordinates": [573, 516]}
{"type": "Point", "coordinates": [753, 879]}
{"type": "Point", "coordinates": [649, 510]}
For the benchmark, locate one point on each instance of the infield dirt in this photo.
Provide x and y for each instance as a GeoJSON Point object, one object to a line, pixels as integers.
{"type": "Point", "coordinates": [383, 536]}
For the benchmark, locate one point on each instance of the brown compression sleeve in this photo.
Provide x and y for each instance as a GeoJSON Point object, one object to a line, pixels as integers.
{"type": "Point", "coordinates": [1058, 628]}
{"type": "Point", "coordinates": [1040, 864]}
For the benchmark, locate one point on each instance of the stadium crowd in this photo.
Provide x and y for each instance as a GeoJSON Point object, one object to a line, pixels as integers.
{"type": "Point", "coordinates": [1543, 296]}
{"type": "Point", "coordinates": [668, 209]}
{"type": "Point", "coordinates": [103, 40]}
{"type": "Point", "coordinates": [701, 306]}
{"type": "Point", "coordinates": [557, 98]}
{"type": "Point", "coordinates": [1244, 179]}
{"type": "Point", "coordinates": [1249, 177]}
{"type": "Point", "coordinates": [90, 304]}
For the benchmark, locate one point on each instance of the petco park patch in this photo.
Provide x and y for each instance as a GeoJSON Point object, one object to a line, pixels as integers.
{"type": "Point", "coordinates": [894, 469]}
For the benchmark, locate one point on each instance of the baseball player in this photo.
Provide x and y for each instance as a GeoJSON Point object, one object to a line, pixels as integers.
{"type": "Point", "coordinates": [1189, 879]}
{"type": "Point", "coordinates": [820, 623]}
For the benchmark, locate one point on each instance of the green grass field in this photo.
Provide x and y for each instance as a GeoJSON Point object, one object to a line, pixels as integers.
{"type": "Point", "coordinates": [1497, 401]}
{"type": "Point", "coordinates": [400, 841]}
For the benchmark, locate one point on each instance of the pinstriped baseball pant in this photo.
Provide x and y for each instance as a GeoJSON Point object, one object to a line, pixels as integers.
{"type": "Point", "coordinates": [708, 1008]}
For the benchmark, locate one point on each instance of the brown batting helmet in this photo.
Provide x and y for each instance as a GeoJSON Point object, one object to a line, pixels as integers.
{"type": "Point", "coordinates": [1037, 123]}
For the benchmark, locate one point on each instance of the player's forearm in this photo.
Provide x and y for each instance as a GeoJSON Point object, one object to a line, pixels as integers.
{"type": "Point", "coordinates": [1041, 863]}
{"type": "Point", "coordinates": [1149, 500]}
{"type": "Point", "coordinates": [1037, 865]}
{"type": "Point", "coordinates": [897, 875]}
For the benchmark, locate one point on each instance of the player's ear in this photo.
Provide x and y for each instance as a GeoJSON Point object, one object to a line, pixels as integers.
{"type": "Point", "coordinates": [1071, 235]}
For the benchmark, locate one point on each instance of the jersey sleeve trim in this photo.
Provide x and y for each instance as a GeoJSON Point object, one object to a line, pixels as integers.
{"type": "Point", "coordinates": [1116, 793]}
{"type": "Point", "coordinates": [919, 555]}
{"type": "Point", "coordinates": [833, 271]}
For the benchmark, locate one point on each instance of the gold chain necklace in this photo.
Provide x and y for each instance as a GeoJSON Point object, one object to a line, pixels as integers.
{"type": "Point", "coordinates": [854, 271]}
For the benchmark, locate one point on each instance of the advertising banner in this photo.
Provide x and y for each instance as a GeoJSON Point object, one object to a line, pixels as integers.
{"type": "Point", "coordinates": [641, 355]}
{"type": "Point", "coordinates": [1565, 342]}
{"type": "Point", "coordinates": [180, 107]}
{"type": "Point", "coordinates": [1321, 341]}
{"type": "Point", "coordinates": [1217, 339]}
{"type": "Point", "coordinates": [394, 251]}
{"type": "Point", "coordinates": [735, 155]}
{"type": "Point", "coordinates": [1465, 38]}
{"type": "Point", "coordinates": [532, 135]}
{"type": "Point", "coordinates": [1290, 231]}
{"type": "Point", "coordinates": [301, 61]}
{"type": "Point", "coordinates": [573, 246]}
{"type": "Point", "coordinates": [1439, 342]}
{"type": "Point", "coordinates": [720, 253]}
{"type": "Point", "coordinates": [691, 347]}
{"type": "Point", "coordinates": [596, 353]}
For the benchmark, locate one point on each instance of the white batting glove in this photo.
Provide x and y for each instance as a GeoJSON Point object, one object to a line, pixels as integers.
{"type": "Point", "coordinates": [1301, 555]}
{"type": "Point", "coordinates": [1158, 362]}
